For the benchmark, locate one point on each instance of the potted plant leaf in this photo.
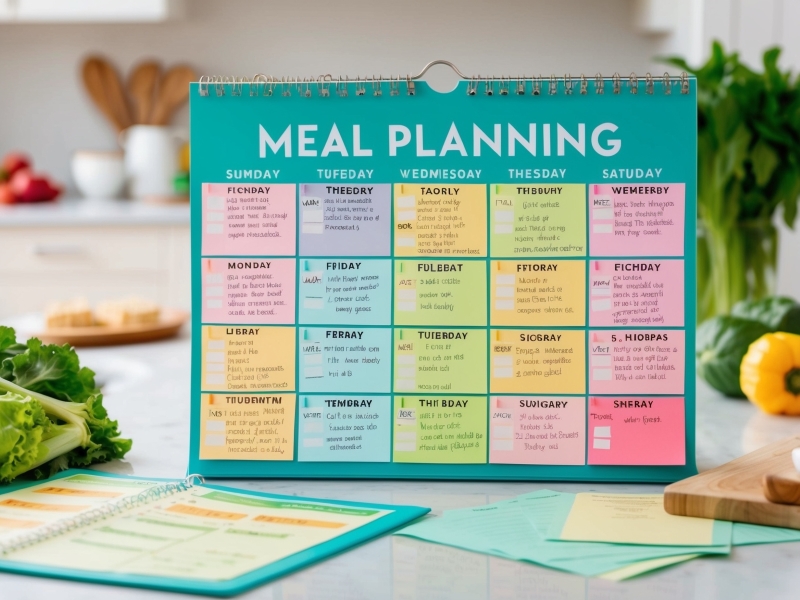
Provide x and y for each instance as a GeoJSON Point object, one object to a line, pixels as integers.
{"type": "Point", "coordinates": [748, 166]}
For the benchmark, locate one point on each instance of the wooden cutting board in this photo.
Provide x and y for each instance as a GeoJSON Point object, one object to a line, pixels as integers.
{"type": "Point", "coordinates": [733, 492]}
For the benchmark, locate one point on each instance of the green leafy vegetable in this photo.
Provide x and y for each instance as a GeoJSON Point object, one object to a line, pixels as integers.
{"type": "Point", "coordinates": [722, 342]}
{"type": "Point", "coordinates": [51, 413]}
{"type": "Point", "coordinates": [779, 313]}
{"type": "Point", "coordinates": [50, 369]}
{"type": "Point", "coordinates": [28, 439]}
{"type": "Point", "coordinates": [23, 426]}
{"type": "Point", "coordinates": [8, 343]}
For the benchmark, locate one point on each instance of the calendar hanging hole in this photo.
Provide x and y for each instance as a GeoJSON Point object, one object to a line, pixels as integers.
{"type": "Point", "coordinates": [441, 78]}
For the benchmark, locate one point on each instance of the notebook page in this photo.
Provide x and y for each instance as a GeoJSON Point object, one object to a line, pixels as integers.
{"type": "Point", "coordinates": [31, 509]}
{"type": "Point", "coordinates": [200, 533]}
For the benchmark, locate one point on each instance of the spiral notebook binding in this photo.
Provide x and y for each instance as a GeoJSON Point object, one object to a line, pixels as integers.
{"type": "Point", "coordinates": [98, 514]}
{"type": "Point", "coordinates": [327, 85]}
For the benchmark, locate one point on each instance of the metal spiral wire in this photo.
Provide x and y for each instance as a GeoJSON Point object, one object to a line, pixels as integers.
{"type": "Point", "coordinates": [98, 514]}
{"type": "Point", "coordinates": [327, 86]}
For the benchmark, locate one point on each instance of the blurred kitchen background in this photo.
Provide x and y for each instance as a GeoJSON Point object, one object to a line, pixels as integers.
{"type": "Point", "coordinates": [102, 248]}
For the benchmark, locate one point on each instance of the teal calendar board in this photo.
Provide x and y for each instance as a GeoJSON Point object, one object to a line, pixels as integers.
{"type": "Point", "coordinates": [492, 283]}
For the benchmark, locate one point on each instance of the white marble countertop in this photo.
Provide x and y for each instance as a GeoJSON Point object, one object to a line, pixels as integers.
{"type": "Point", "coordinates": [147, 390]}
{"type": "Point", "coordinates": [85, 212]}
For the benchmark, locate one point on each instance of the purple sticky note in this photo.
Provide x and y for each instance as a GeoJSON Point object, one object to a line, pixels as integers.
{"type": "Point", "coordinates": [345, 219]}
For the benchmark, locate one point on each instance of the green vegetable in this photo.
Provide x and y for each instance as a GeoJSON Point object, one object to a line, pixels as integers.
{"type": "Point", "coordinates": [779, 313]}
{"type": "Point", "coordinates": [28, 439]}
{"type": "Point", "coordinates": [748, 150]}
{"type": "Point", "coordinates": [23, 426]}
{"type": "Point", "coordinates": [722, 342]}
{"type": "Point", "coordinates": [51, 413]}
{"type": "Point", "coordinates": [8, 344]}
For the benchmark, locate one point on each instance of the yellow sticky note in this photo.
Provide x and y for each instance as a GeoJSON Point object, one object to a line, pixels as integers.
{"type": "Point", "coordinates": [440, 220]}
{"type": "Point", "coordinates": [542, 361]}
{"type": "Point", "coordinates": [248, 359]}
{"type": "Point", "coordinates": [247, 426]}
{"type": "Point", "coordinates": [538, 293]}
{"type": "Point", "coordinates": [636, 519]}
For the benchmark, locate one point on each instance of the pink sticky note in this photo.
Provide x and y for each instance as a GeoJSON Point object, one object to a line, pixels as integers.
{"type": "Point", "coordinates": [636, 293]}
{"type": "Point", "coordinates": [537, 430]}
{"type": "Point", "coordinates": [629, 430]}
{"type": "Point", "coordinates": [637, 361]}
{"type": "Point", "coordinates": [256, 291]}
{"type": "Point", "coordinates": [632, 219]}
{"type": "Point", "coordinates": [248, 219]}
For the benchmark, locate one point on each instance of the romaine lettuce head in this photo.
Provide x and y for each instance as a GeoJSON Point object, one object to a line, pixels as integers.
{"type": "Point", "coordinates": [23, 427]}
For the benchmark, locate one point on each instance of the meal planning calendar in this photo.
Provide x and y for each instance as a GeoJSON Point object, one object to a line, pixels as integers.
{"type": "Point", "coordinates": [464, 285]}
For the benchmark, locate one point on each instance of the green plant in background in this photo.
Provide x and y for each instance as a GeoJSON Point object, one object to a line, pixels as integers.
{"type": "Point", "coordinates": [748, 150]}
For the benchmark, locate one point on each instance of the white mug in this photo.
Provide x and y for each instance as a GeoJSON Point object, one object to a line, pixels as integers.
{"type": "Point", "coordinates": [151, 158]}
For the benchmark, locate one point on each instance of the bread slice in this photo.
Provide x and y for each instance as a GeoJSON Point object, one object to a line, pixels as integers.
{"type": "Point", "coordinates": [131, 311]}
{"type": "Point", "coordinates": [72, 313]}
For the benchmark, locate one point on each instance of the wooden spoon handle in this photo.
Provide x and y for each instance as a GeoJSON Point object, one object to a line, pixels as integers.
{"type": "Point", "coordinates": [781, 490]}
{"type": "Point", "coordinates": [94, 81]}
{"type": "Point", "coordinates": [116, 97]}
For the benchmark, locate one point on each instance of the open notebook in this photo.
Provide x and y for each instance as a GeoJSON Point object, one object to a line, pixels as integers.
{"type": "Point", "coordinates": [182, 536]}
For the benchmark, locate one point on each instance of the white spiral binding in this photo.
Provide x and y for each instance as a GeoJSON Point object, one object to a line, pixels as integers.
{"type": "Point", "coordinates": [98, 514]}
{"type": "Point", "coordinates": [522, 85]}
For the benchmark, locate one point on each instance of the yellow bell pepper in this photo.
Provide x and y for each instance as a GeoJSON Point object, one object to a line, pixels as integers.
{"type": "Point", "coordinates": [770, 373]}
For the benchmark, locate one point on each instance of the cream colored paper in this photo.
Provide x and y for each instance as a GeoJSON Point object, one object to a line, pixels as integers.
{"type": "Point", "coordinates": [645, 566]}
{"type": "Point", "coordinates": [632, 519]}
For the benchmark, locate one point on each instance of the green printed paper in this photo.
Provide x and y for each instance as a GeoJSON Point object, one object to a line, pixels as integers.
{"type": "Point", "coordinates": [746, 534]}
{"type": "Point", "coordinates": [446, 429]}
{"type": "Point", "coordinates": [434, 361]}
{"type": "Point", "coordinates": [512, 529]}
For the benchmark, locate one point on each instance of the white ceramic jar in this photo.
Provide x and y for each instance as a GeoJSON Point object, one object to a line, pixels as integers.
{"type": "Point", "coordinates": [151, 159]}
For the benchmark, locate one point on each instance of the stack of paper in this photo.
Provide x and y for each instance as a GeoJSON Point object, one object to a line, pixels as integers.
{"type": "Point", "coordinates": [615, 536]}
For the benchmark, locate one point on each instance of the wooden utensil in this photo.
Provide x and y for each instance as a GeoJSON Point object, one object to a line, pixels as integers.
{"type": "Point", "coordinates": [781, 490]}
{"type": "Point", "coordinates": [173, 91]}
{"type": "Point", "coordinates": [734, 491]}
{"type": "Point", "coordinates": [105, 89]}
{"type": "Point", "coordinates": [142, 84]}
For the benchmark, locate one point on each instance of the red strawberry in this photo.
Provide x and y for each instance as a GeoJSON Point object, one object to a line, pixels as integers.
{"type": "Point", "coordinates": [15, 161]}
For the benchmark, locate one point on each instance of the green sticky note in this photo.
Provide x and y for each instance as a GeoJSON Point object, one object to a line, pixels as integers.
{"type": "Point", "coordinates": [429, 292]}
{"type": "Point", "coordinates": [440, 429]}
{"type": "Point", "coordinates": [538, 220]}
{"type": "Point", "coordinates": [431, 361]}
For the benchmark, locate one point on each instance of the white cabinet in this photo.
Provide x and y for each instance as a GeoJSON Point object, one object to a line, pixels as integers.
{"type": "Point", "coordinates": [91, 11]}
{"type": "Point", "coordinates": [47, 264]}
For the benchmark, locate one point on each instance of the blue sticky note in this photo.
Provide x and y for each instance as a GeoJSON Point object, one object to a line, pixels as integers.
{"type": "Point", "coordinates": [344, 429]}
{"type": "Point", "coordinates": [345, 291]}
{"type": "Point", "coordinates": [346, 360]}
